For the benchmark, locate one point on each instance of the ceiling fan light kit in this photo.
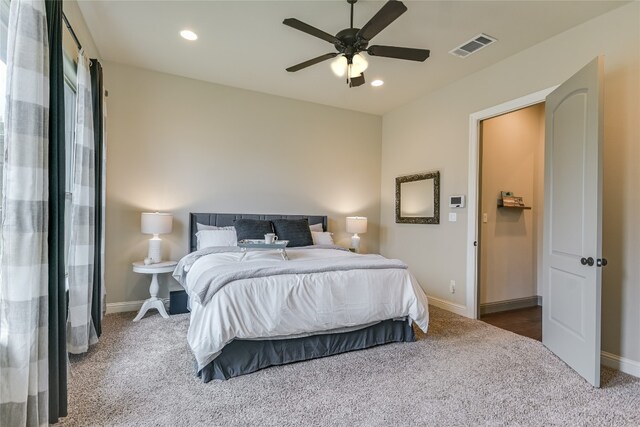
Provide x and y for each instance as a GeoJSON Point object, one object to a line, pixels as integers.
{"type": "Point", "coordinates": [341, 66]}
{"type": "Point", "coordinates": [351, 42]}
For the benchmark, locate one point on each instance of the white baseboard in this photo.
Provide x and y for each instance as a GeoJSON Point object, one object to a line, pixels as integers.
{"type": "Point", "coordinates": [449, 306]}
{"type": "Point", "coordinates": [622, 364]}
{"type": "Point", "coordinates": [125, 306]}
{"type": "Point", "coordinates": [512, 304]}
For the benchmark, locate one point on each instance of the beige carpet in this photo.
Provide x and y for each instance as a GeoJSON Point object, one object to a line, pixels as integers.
{"type": "Point", "coordinates": [462, 373]}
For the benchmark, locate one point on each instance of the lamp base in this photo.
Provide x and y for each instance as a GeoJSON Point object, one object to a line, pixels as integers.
{"type": "Point", "coordinates": [155, 249]}
{"type": "Point", "coordinates": [355, 243]}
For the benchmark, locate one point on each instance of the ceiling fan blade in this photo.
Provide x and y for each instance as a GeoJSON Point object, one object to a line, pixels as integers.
{"type": "Point", "coordinates": [311, 62]}
{"type": "Point", "coordinates": [385, 16]}
{"type": "Point", "coordinates": [399, 52]}
{"type": "Point", "coordinates": [306, 28]}
{"type": "Point", "coordinates": [357, 81]}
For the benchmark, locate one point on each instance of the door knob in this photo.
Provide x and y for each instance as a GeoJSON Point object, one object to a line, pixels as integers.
{"type": "Point", "coordinates": [601, 262]}
{"type": "Point", "coordinates": [587, 261]}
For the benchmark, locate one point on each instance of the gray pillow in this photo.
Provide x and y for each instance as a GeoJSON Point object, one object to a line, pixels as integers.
{"type": "Point", "coordinates": [296, 231]}
{"type": "Point", "coordinates": [252, 228]}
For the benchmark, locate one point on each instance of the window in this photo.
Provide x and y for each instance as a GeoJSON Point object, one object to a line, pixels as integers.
{"type": "Point", "coordinates": [3, 83]}
{"type": "Point", "coordinates": [70, 89]}
{"type": "Point", "coordinates": [4, 22]}
{"type": "Point", "coordinates": [69, 128]}
{"type": "Point", "coordinates": [69, 52]}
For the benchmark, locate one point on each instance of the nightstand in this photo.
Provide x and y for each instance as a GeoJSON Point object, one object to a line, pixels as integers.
{"type": "Point", "coordinates": [154, 270]}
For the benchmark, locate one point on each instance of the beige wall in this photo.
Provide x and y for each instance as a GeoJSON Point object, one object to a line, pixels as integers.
{"type": "Point", "coordinates": [433, 133]}
{"type": "Point", "coordinates": [180, 145]}
{"type": "Point", "coordinates": [508, 240]}
{"type": "Point", "coordinates": [74, 15]}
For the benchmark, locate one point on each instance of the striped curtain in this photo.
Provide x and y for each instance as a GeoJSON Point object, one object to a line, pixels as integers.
{"type": "Point", "coordinates": [80, 328]}
{"type": "Point", "coordinates": [24, 219]}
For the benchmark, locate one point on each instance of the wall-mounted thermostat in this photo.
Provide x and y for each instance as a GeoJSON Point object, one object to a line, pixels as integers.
{"type": "Point", "coordinates": [456, 201]}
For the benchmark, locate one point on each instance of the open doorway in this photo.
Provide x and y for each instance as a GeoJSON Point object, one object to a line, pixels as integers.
{"type": "Point", "coordinates": [572, 234]}
{"type": "Point", "coordinates": [510, 202]}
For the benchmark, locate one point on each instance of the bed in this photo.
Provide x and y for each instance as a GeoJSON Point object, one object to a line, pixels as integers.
{"type": "Point", "coordinates": [251, 310]}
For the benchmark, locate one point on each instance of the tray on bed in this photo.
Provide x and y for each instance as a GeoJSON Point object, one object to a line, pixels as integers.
{"type": "Point", "coordinates": [260, 244]}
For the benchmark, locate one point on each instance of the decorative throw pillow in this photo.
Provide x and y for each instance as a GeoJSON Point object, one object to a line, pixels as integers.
{"type": "Point", "coordinates": [208, 238]}
{"type": "Point", "coordinates": [296, 231]}
{"type": "Point", "coordinates": [252, 228]}
{"type": "Point", "coordinates": [201, 227]}
{"type": "Point", "coordinates": [316, 227]}
{"type": "Point", "coordinates": [322, 238]}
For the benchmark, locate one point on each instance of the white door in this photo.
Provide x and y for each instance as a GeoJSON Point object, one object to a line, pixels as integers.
{"type": "Point", "coordinates": [572, 221]}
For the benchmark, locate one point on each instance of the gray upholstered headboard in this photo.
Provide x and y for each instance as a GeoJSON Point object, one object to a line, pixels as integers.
{"type": "Point", "coordinates": [225, 219]}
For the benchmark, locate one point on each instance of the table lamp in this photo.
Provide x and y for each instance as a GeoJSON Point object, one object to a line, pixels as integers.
{"type": "Point", "coordinates": [355, 225]}
{"type": "Point", "coordinates": [156, 223]}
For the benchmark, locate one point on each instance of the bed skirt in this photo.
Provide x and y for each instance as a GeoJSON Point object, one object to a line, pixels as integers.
{"type": "Point", "coordinates": [241, 357]}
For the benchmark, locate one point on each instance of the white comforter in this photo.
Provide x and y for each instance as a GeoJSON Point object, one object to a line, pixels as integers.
{"type": "Point", "coordinates": [294, 305]}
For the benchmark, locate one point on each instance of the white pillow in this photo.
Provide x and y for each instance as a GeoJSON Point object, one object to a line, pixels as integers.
{"type": "Point", "coordinates": [208, 238]}
{"type": "Point", "coordinates": [316, 227]}
{"type": "Point", "coordinates": [322, 238]}
{"type": "Point", "coordinates": [201, 227]}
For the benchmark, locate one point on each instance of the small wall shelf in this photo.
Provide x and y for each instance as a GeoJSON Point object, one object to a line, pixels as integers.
{"type": "Point", "coordinates": [513, 201]}
{"type": "Point", "coordinates": [513, 207]}
{"type": "Point", "coordinates": [501, 205]}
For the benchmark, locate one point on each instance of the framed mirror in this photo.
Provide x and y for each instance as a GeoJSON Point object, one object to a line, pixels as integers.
{"type": "Point", "coordinates": [418, 198]}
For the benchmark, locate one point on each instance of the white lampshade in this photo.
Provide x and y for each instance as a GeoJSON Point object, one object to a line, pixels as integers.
{"type": "Point", "coordinates": [339, 65]}
{"type": "Point", "coordinates": [356, 224]}
{"type": "Point", "coordinates": [156, 223]}
{"type": "Point", "coordinates": [359, 64]}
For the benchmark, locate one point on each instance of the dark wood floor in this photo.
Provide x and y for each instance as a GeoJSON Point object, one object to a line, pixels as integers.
{"type": "Point", "coordinates": [524, 321]}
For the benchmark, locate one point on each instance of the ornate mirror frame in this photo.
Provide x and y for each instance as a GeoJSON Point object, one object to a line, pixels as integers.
{"type": "Point", "coordinates": [435, 219]}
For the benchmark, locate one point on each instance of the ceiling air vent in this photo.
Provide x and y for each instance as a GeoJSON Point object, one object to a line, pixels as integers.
{"type": "Point", "coordinates": [472, 46]}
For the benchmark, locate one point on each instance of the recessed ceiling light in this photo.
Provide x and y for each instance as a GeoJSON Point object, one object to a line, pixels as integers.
{"type": "Point", "coordinates": [189, 35]}
{"type": "Point", "coordinates": [377, 83]}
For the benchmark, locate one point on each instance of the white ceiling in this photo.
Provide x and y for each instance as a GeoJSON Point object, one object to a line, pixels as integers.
{"type": "Point", "coordinates": [244, 43]}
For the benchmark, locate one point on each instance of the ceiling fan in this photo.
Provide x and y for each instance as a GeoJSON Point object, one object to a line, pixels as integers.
{"type": "Point", "coordinates": [351, 42]}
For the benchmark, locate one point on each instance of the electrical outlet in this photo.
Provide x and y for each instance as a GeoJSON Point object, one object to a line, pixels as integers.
{"type": "Point", "coordinates": [452, 286]}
